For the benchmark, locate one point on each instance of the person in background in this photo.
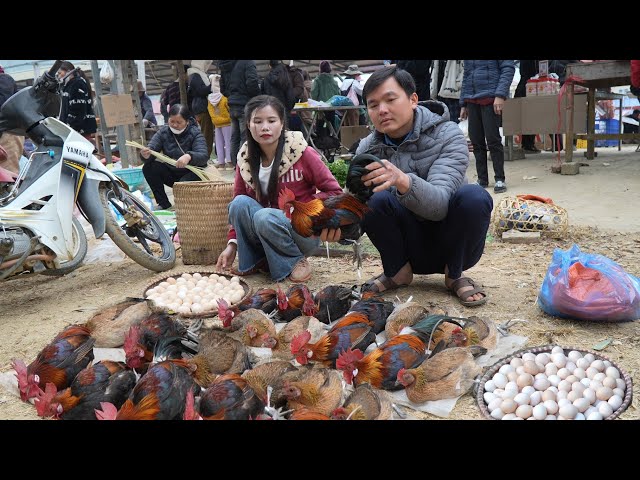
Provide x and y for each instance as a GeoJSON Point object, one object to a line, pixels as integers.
{"type": "Point", "coordinates": [278, 84]}
{"type": "Point", "coordinates": [635, 78]}
{"type": "Point", "coordinates": [181, 140]}
{"type": "Point", "coordinates": [351, 87]}
{"type": "Point", "coordinates": [271, 159]}
{"type": "Point", "coordinates": [425, 218]}
{"type": "Point", "coordinates": [485, 87]}
{"type": "Point", "coordinates": [11, 144]}
{"type": "Point", "coordinates": [301, 85]}
{"type": "Point", "coordinates": [528, 69]}
{"type": "Point", "coordinates": [148, 117]}
{"type": "Point", "coordinates": [239, 83]}
{"type": "Point", "coordinates": [630, 128]}
{"type": "Point", "coordinates": [324, 87]}
{"type": "Point", "coordinates": [419, 70]}
{"type": "Point", "coordinates": [447, 85]}
{"type": "Point", "coordinates": [199, 89]}
{"type": "Point", "coordinates": [76, 107]}
{"type": "Point", "coordinates": [170, 97]}
{"type": "Point", "coordinates": [221, 119]}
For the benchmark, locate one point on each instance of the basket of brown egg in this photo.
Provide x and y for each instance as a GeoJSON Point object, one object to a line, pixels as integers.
{"type": "Point", "coordinates": [195, 294]}
{"type": "Point", "coordinates": [554, 383]}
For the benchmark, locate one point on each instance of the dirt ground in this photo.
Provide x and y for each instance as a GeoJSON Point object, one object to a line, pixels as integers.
{"type": "Point", "coordinates": [601, 200]}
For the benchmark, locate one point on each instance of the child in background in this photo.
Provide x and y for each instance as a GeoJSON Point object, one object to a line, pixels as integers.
{"type": "Point", "coordinates": [219, 112]}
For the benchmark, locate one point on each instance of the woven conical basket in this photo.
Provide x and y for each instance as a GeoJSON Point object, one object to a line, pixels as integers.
{"type": "Point", "coordinates": [202, 218]}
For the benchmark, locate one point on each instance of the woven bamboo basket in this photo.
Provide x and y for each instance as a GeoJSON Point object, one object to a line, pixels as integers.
{"type": "Point", "coordinates": [530, 216]}
{"type": "Point", "coordinates": [202, 219]}
{"type": "Point", "coordinates": [628, 392]}
{"type": "Point", "coordinates": [154, 307]}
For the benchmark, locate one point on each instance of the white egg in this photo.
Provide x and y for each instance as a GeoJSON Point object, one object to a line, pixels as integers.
{"type": "Point", "coordinates": [579, 373]}
{"type": "Point", "coordinates": [235, 279]}
{"type": "Point", "coordinates": [589, 395]}
{"type": "Point", "coordinates": [586, 382]}
{"type": "Point", "coordinates": [583, 363]}
{"type": "Point", "coordinates": [563, 373]}
{"type": "Point", "coordinates": [607, 364]}
{"type": "Point", "coordinates": [512, 376]}
{"type": "Point", "coordinates": [581, 404]}
{"type": "Point", "coordinates": [186, 276]}
{"type": "Point", "coordinates": [595, 385]}
{"type": "Point", "coordinates": [564, 386]}
{"type": "Point", "coordinates": [568, 411]}
{"type": "Point", "coordinates": [512, 386]}
{"type": "Point", "coordinates": [573, 396]}
{"type": "Point", "coordinates": [615, 401]}
{"type": "Point", "coordinates": [500, 381]}
{"type": "Point", "coordinates": [535, 399]}
{"type": "Point", "coordinates": [557, 349]}
{"type": "Point", "coordinates": [539, 412]}
{"type": "Point", "coordinates": [508, 406]}
{"type": "Point", "coordinates": [509, 394]}
{"type": "Point", "coordinates": [591, 372]}
{"type": "Point", "coordinates": [542, 358]}
{"type": "Point", "coordinates": [524, 380]}
{"type": "Point", "coordinates": [620, 383]}
{"type": "Point", "coordinates": [181, 280]}
{"type": "Point", "coordinates": [520, 370]}
{"type": "Point", "coordinates": [550, 369]}
{"type": "Point", "coordinates": [197, 308]}
{"type": "Point", "coordinates": [528, 357]}
{"type": "Point", "coordinates": [529, 390]}
{"type": "Point", "coordinates": [612, 372]}
{"type": "Point", "coordinates": [516, 362]}
{"type": "Point", "coordinates": [551, 406]}
{"type": "Point", "coordinates": [561, 395]}
{"type": "Point", "coordinates": [489, 386]}
{"type": "Point", "coordinates": [578, 388]}
{"type": "Point", "coordinates": [524, 411]}
{"type": "Point", "coordinates": [550, 417]}
{"type": "Point", "coordinates": [522, 399]}
{"type": "Point", "coordinates": [563, 401]}
{"type": "Point", "coordinates": [197, 276]}
{"type": "Point", "coordinates": [599, 377]}
{"type": "Point", "coordinates": [184, 309]}
{"type": "Point", "coordinates": [598, 365]}
{"type": "Point", "coordinates": [541, 384]}
{"type": "Point", "coordinates": [182, 294]}
{"type": "Point", "coordinates": [580, 416]}
{"type": "Point", "coordinates": [497, 414]}
{"type": "Point", "coordinates": [493, 404]}
{"type": "Point", "coordinates": [510, 416]}
{"type": "Point", "coordinates": [609, 382]}
{"type": "Point", "coordinates": [574, 356]}
{"type": "Point", "coordinates": [619, 392]}
{"type": "Point", "coordinates": [559, 359]}
{"type": "Point", "coordinates": [548, 395]}
{"type": "Point", "coordinates": [595, 416]}
{"type": "Point", "coordinates": [554, 380]}
{"type": "Point", "coordinates": [605, 409]}
{"type": "Point", "coordinates": [570, 366]}
{"type": "Point", "coordinates": [171, 281]}
{"type": "Point", "coordinates": [589, 357]}
{"type": "Point", "coordinates": [531, 368]}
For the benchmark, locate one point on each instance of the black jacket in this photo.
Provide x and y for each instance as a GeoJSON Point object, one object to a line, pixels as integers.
{"type": "Point", "coordinates": [239, 81]}
{"type": "Point", "coordinates": [559, 67]}
{"type": "Point", "coordinates": [198, 92]}
{"type": "Point", "coordinates": [419, 70]}
{"type": "Point", "coordinates": [528, 69]}
{"type": "Point", "coordinates": [76, 108]}
{"type": "Point", "coordinates": [278, 84]}
{"type": "Point", "coordinates": [191, 141]}
{"type": "Point", "coordinates": [147, 109]}
{"type": "Point", "coordinates": [7, 87]}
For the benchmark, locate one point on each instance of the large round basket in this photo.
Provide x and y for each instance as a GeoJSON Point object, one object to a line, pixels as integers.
{"type": "Point", "coordinates": [202, 219]}
{"type": "Point", "coordinates": [154, 307]}
{"type": "Point", "coordinates": [628, 394]}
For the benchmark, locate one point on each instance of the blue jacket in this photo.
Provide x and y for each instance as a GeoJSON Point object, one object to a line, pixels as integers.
{"type": "Point", "coordinates": [486, 78]}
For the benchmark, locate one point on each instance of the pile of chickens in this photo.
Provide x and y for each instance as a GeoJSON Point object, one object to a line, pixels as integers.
{"type": "Point", "coordinates": [322, 361]}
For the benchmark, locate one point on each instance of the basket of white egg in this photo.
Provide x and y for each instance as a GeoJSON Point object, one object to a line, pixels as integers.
{"type": "Point", "coordinates": [554, 383]}
{"type": "Point", "coordinates": [195, 294]}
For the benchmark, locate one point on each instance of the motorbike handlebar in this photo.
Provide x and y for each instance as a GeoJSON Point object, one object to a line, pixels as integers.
{"type": "Point", "coordinates": [54, 68]}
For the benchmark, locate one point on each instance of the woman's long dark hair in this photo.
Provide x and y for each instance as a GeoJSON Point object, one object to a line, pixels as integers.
{"type": "Point", "coordinates": [253, 147]}
{"type": "Point", "coordinates": [68, 66]}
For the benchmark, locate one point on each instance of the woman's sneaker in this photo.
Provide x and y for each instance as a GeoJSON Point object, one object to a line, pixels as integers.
{"type": "Point", "coordinates": [500, 187]}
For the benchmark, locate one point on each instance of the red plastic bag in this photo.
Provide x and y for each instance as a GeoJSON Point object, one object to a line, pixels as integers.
{"type": "Point", "coordinates": [589, 287]}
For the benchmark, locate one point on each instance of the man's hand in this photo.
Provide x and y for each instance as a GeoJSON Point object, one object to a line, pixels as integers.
{"type": "Point", "coordinates": [226, 258]}
{"type": "Point", "coordinates": [498, 104]}
{"type": "Point", "coordinates": [183, 161]}
{"type": "Point", "coordinates": [463, 113]}
{"type": "Point", "coordinates": [386, 176]}
{"type": "Point", "coordinates": [146, 153]}
{"type": "Point", "coordinates": [330, 235]}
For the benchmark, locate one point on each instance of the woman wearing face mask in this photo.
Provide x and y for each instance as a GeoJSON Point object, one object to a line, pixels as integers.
{"type": "Point", "coordinates": [76, 108]}
{"type": "Point", "coordinates": [181, 140]}
{"type": "Point", "coordinates": [273, 158]}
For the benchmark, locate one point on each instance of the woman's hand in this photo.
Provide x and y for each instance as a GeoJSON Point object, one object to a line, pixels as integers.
{"type": "Point", "coordinates": [226, 258]}
{"type": "Point", "coordinates": [498, 105]}
{"type": "Point", "coordinates": [386, 176]}
{"type": "Point", "coordinates": [146, 153]}
{"type": "Point", "coordinates": [463, 113]}
{"type": "Point", "coordinates": [183, 161]}
{"type": "Point", "coordinates": [330, 235]}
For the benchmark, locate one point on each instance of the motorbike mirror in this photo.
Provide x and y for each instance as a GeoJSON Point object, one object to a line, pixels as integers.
{"type": "Point", "coordinates": [54, 68]}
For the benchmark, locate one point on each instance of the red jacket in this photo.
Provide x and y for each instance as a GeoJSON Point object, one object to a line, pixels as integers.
{"type": "Point", "coordinates": [301, 170]}
{"type": "Point", "coordinates": [635, 73]}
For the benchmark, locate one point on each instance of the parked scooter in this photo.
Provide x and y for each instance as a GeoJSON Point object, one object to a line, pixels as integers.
{"type": "Point", "coordinates": [38, 231]}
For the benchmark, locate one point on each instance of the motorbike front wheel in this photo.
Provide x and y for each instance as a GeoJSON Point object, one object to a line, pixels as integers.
{"type": "Point", "coordinates": [154, 248]}
{"type": "Point", "coordinates": [80, 241]}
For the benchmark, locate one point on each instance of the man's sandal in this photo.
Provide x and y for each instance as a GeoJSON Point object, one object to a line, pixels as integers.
{"type": "Point", "coordinates": [380, 284]}
{"type": "Point", "coordinates": [261, 267]}
{"type": "Point", "coordinates": [467, 282]}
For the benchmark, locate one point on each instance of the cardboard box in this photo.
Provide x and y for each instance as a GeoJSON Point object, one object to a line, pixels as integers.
{"type": "Point", "coordinates": [350, 135]}
{"type": "Point", "coordinates": [118, 110]}
{"type": "Point", "coordinates": [531, 115]}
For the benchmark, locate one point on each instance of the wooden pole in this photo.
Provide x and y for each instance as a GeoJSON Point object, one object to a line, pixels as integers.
{"type": "Point", "coordinates": [182, 77]}
{"type": "Point", "coordinates": [118, 84]}
{"type": "Point", "coordinates": [97, 85]}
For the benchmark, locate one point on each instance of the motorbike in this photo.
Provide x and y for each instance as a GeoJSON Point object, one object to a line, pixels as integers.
{"type": "Point", "coordinates": [38, 230]}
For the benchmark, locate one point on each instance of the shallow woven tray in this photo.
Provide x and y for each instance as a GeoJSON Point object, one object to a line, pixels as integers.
{"type": "Point", "coordinates": [628, 394]}
{"type": "Point", "coordinates": [154, 307]}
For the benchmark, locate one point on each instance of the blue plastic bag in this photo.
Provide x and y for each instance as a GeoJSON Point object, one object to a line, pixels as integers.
{"type": "Point", "coordinates": [588, 286]}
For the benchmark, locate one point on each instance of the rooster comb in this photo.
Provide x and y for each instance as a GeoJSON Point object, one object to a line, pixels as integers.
{"type": "Point", "coordinates": [132, 338]}
{"type": "Point", "coordinates": [348, 357]}
{"type": "Point", "coordinates": [300, 341]}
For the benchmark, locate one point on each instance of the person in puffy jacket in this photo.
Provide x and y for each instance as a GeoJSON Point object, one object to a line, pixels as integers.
{"type": "Point", "coordinates": [425, 218]}
{"type": "Point", "coordinates": [181, 140]}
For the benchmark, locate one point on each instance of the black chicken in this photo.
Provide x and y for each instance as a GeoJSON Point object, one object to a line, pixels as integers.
{"type": "Point", "coordinates": [357, 168]}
